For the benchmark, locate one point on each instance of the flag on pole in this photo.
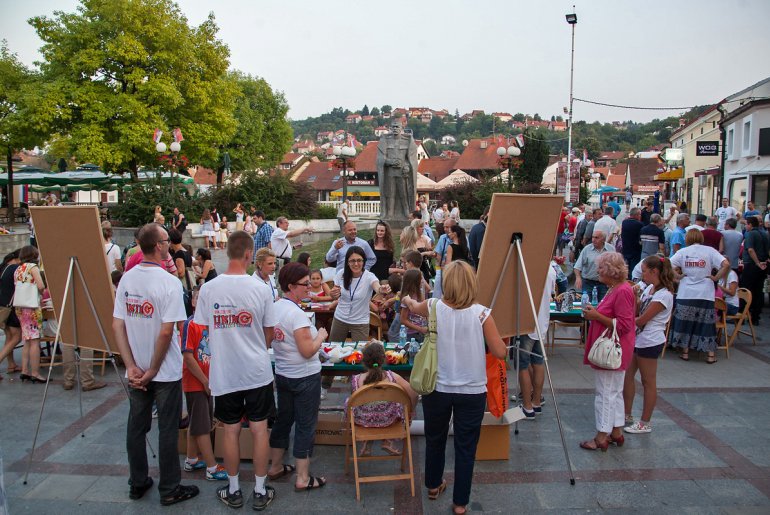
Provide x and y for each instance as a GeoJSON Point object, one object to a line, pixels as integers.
{"type": "Point", "coordinates": [520, 140]}
{"type": "Point", "coordinates": [177, 132]}
{"type": "Point", "coordinates": [157, 135]}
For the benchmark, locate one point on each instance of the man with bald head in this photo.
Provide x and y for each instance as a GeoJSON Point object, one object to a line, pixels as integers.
{"type": "Point", "coordinates": [350, 238]}
{"type": "Point", "coordinates": [586, 271]}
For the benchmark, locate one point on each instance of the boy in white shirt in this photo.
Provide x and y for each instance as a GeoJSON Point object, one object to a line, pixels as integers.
{"type": "Point", "coordinates": [239, 314]}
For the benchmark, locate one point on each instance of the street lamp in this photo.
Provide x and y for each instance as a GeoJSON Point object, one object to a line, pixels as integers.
{"type": "Point", "coordinates": [345, 155]}
{"type": "Point", "coordinates": [508, 158]}
{"type": "Point", "coordinates": [572, 20]}
{"type": "Point", "coordinates": [172, 160]}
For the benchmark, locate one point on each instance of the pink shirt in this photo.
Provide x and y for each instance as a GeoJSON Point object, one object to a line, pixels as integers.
{"type": "Point", "coordinates": [620, 304]}
{"type": "Point", "coordinates": [137, 258]}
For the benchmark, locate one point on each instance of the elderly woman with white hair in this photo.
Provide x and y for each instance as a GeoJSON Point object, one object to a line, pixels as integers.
{"type": "Point", "coordinates": [618, 308]}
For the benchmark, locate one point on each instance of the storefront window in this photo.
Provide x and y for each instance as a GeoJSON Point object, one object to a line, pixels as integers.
{"type": "Point", "coordinates": [760, 193]}
{"type": "Point", "coordinates": [738, 193]}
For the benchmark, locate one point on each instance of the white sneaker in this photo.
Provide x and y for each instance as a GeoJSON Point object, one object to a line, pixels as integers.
{"type": "Point", "coordinates": [638, 427]}
{"type": "Point", "coordinates": [323, 394]}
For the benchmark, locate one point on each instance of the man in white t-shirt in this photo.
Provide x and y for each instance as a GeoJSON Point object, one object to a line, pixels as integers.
{"type": "Point", "coordinates": [279, 241]}
{"type": "Point", "coordinates": [725, 212]}
{"type": "Point", "coordinates": [531, 353]}
{"type": "Point", "coordinates": [239, 314]}
{"type": "Point", "coordinates": [148, 304]}
{"type": "Point", "coordinates": [607, 225]}
{"type": "Point", "coordinates": [342, 213]}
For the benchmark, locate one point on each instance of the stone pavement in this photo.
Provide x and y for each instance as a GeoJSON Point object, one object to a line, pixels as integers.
{"type": "Point", "coordinates": [709, 451]}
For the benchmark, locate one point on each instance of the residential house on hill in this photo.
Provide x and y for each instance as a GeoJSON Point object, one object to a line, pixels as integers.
{"type": "Point", "coordinates": [304, 147]}
{"type": "Point", "coordinates": [611, 157]}
{"type": "Point", "coordinates": [479, 157]}
{"type": "Point", "coordinates": [381, 131]}
{"type": "Point", "coordinates": [503, 117]}
{"type": "Point", "coordinates": [437, 168]}
{"type": "Point", "coordinates": [557, 126]}
{"type": "Point", "coordinates": [291, 161]}
{"type": "Point", "coordinates": [324, 136]}
{"type": "Point", "coordinates": [353, 118]}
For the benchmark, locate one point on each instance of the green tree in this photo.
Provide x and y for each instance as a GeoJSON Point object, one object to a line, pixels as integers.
{"type": "Point", "coordinates": [534, 160]}
{"type": "Point", "coordinates": [518, 117]}
{"type": "Point", "coordinates": [263, 132]}
{"type": "Point", "coordinates": [365, 110]}
{"type": "Point", "coordinates": [386, 109]}
{"type": "Point", "coordinates": [21, 116]}
{"type": "Point", "coordinates": [120, 69]}
{"type": "Point", "coordinates": [375, 112]}
{"type": "Point", "coordinates": [591, 145]}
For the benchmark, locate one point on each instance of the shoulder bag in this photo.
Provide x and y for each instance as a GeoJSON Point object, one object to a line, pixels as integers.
{"type": "Point", "coordinates": [5, 311]}
{"type": "Point", "coordinates": [606, 351]}
{"type": "Point", "coordinates": [26, 295]}
{"type": "Point", "coordinates": [425, 368]}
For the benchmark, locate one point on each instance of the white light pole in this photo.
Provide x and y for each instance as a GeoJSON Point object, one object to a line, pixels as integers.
{"type": "Point", "coordinates": [345, 154]}
{"type": "Point", "coordinates": [572, 20]}
{"type": "Point", "coordinates": [507, 159]}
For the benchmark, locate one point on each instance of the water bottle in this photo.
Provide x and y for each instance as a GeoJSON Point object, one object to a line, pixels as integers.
{"type": "Point", "coordinates": [414, 347]}
{"type": "Point", "coordinates": [584, 300]}
{"type": "Point", "coordinates": [595, 296]}
{"type": "Point", "coordinates": [402, 336]}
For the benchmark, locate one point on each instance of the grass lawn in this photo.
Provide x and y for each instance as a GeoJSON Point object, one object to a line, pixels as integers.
{"type": "Point", "coordinates": [319, 249]}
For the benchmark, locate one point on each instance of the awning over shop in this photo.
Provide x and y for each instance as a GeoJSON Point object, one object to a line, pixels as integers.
{"type": "Point", "coordinates": [364, 191]}
{"type": "Point", "coordinates": [670, 175]}
{"type": "Point", "coordinates": [708, 171]}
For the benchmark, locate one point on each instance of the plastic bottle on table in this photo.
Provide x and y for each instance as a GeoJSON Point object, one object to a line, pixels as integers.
{"type": "Point", "coordinates": [414, 347]}
{"type": "Point", "coordinates": [402, 336]}
{"type": "Point", "coordinates": [595, 296]}
{"type": "Point", "coordinates": [584, 300]}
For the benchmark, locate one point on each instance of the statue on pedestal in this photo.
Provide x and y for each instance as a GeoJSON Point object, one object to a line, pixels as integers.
{"type": "Point", "coordinates": [397, 174]}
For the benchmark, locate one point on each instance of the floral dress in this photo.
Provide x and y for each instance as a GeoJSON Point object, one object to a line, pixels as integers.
{"type": "Point", "coordinates": [376, 414]}
{"type": "Point", "coordinates": [30, 319]}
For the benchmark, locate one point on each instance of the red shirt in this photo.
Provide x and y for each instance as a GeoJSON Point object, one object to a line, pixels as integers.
{"type": "Point", "coordinates": [571, 224]}
{"type": "Point", "coordinates": [562, 218]}
{"type": "Point", "coordinates": [195, 339]}
{"type": "Point", "coordinates": [711, 238]}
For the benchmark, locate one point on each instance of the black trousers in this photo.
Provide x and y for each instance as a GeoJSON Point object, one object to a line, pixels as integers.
{"type": "Point", "coordinates": [753, 279]}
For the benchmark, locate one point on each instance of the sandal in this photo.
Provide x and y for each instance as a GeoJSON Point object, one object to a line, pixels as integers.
{"type": "Point", "coordinates": [312, 484]}
{"type": "Point", "coordinates": [684, 356]}
{"type": "Point", "coordinates": [433, 493]}
{"type": "Point", "coordinates": [365, 451]}
{"type": "Point", "coordinates": [390, 449]}
{"type": "Point", "coordinates": [458, 510]}
{"type": "Point", "coordinates": [287, 469]}
{"type": "Point", "coordinates": [13, 370]}
{"type": "Point", "coordinates": [711, 360]}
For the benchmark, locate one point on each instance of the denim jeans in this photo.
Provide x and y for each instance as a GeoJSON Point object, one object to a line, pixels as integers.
{"type": "Point", "coordinates": [298, 403]}
{"type": "Point", "coordinates": [601, 288]}
{"type": "Point", "coordinates": [468, 410]}
{"type": "Point", "coordinates": [168, 397]}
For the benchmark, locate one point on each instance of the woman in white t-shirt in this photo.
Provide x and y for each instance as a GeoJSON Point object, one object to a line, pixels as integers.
{"type": "Point", "coordinates": [463, 326]}
{"type": "Point", "coordinates": [455, 212]}
{"type": "Point", "coordinates": [729, 288]}
{"type": "Point", "coordinates": [694, 324]}
{"type": "Point", "coordinates": [353, 288]}
{"type": "Point", "coordinates": [112, 251]}
{"type": "Point", "coordinates": [297, 379]}
{"type": "Point", "coordinates": [653, 312]}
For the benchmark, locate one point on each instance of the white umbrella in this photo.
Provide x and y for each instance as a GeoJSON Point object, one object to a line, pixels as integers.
{"type": "Point", "coordinates": [425, 184]}
{"type": "Point", "coordinates": [456, 177]}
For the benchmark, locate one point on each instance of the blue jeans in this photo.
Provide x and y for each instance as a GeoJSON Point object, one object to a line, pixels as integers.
{"type": "Point", "coordinates": [298, 403]}
{"type": "Point", "coordinates": [601, 288]}
{"type": "Point", "coordinates": [168, 397]}
{"type": "Point", "coordinates": [468, 410]}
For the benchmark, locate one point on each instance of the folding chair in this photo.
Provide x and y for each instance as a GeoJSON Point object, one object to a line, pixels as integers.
{"type": "Point", "coordinates": [721, 325]}
{"type": "Point", "coordinates": [375, 324]}
{"type": "Point", "coordinates": [378, 392]}
{"type": "Point", "coordinates": [744, 294]}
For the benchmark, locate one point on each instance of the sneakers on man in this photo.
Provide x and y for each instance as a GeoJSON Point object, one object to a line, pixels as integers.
{"type": "Point", "coordinates": [234, 500]}
{"type": "Point", "coordinates": [528, 414]}
{"type": "Point", "coordinates": [537, 409]}
{"type": "Point", "coordinates": [197, 465]}
{"type": "Point", "coordinates": [638, 427]}
{"type": "Point", "coordinates": [262, 501]}
{"type": "Point", "coordinates": [220, 474]}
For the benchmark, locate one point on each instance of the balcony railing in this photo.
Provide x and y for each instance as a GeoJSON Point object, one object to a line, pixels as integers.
{"type": "Point", "coordinates": [357, 207]}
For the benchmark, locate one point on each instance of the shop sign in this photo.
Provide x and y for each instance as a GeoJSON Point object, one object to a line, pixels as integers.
{"type": "Point", "coordinates": [706, 148]}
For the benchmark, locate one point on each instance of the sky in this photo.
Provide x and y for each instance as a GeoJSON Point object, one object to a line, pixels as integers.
{"type": "Point", "coordinates": [499, 56]}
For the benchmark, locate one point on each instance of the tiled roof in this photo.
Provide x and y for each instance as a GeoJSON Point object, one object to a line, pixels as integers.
{"type": "Point", "coordinates": [612, 155]}
{"type": "Point", "coordinates": [643, 170]}
{"type": "Point", "coordinates": [289, 158]}
{"type": "Point", "coordinates": [617, 181]}
{"type": "Point", "coordinates": [675, 134]}
{"type": "Point", "coordinates": [366, 160]}
{"type": "Point", "coordinates": [321, 176]}
{"type": "Point", "coordinates": [205, 176]}
{"type": "Point", "coordinates": [437, 168]}
{"type": "Point", "coordinates": [474, 158]}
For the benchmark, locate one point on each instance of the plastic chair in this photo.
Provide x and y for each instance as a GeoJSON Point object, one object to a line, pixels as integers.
{"type": "Point", "coordinates": [375, 324]}
{"type": "Point", "coordinates": [743, 316]}
{"type": "Point", "coordinates": [377, 392]}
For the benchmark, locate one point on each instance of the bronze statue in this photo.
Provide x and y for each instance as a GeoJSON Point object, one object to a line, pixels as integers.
{"type": "Point", "coordinates": [397, 174]}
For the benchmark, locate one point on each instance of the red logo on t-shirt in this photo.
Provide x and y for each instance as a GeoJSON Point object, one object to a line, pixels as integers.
{"type": "Point", "coordinates": [278, 335]}
{"type": "Point", "coordinates": [244, 318]}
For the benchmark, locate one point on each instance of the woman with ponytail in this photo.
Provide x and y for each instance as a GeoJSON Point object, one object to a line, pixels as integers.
{"type": "Point", "coordinates": [653, 313]}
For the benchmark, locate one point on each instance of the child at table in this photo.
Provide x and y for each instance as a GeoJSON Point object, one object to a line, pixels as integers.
{"type": "Point", "coordinates": [319, 291]}
{"type": "Point", "coordinates": [382, 303]}
{"type": "Point", "coordinates": [412, 285]}
{"type": "Point", "coordinates": [379, 414]}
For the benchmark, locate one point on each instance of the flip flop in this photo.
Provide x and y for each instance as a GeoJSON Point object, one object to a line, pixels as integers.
{"type": "Point", "coordinates": [312, 484]}
{"type": "Point", "coordinates": [287, 469]}
{"type": "Point", "coordinates": [391, 450]}
{"type": "Point", "coordinates": [711, 361]}
{"type": "Point", "coordinates": [13, 370]}
{"type": "Point", "coordinates": [684, 357]}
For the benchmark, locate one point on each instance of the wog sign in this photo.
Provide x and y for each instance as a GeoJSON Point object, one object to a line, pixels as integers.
{"type": "Point", "coordinates": [706, 148]}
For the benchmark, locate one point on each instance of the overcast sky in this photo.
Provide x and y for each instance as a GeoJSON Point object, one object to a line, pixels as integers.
{"type": "Point", "coordinates": [510, 56]}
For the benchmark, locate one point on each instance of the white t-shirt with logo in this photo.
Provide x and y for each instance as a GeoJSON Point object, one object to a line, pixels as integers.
{"type": "Point", "coordinates": [147, 297]}
{"type": "Point", "coordinates": [270, 283]}
{"type": "Point", "coordinates": [544, 311]}
{"type": "Point", "coordinates": [236, 309]}
{"type": "Point", "coordinates": [288, 360]}
{"type": "Point", "coordinates": [696, 262]}
{"type": "Point", "coordinates": [654, 331]}
{"type": "Point", "coordinates": [280, 243]}
{"type": "Point", "coordinates": [353, 305]}
{"type": "Point", "coordinates": [723, 213]}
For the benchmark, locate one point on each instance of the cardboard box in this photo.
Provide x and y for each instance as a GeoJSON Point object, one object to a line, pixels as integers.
{"type": "Point", "coordinates": [182, 441]}
{"type": "Point", "coordinates": [332, 429]}
{"type": "Point", "coordinates": [495, 439]}
{"type": "Point", "coordinates": [245, 442]}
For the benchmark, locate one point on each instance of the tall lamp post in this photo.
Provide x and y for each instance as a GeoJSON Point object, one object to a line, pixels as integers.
{"type": "Point", "coordinates": [171, 158]}
{"type": "Point", "coordinates": [344, 156]}
{"type": "Point", "coordinates": [508, 158]}
{"type": "Point", "coordinates": [572, 20]}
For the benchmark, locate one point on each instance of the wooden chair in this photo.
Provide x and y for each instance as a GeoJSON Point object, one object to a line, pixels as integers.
{"type": "Point", "coordinates": [388, 392]}
{"type": "Point", "coordinates": [721, 325]}
{"type": "Point", "coordinates": [375, 324]}
{"type": "Point", "coordinates": [555, 324]}
{"type": "Point", "coordinates": [744, 294]}
{"type": "Point", "coordinates": [668, 331]}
